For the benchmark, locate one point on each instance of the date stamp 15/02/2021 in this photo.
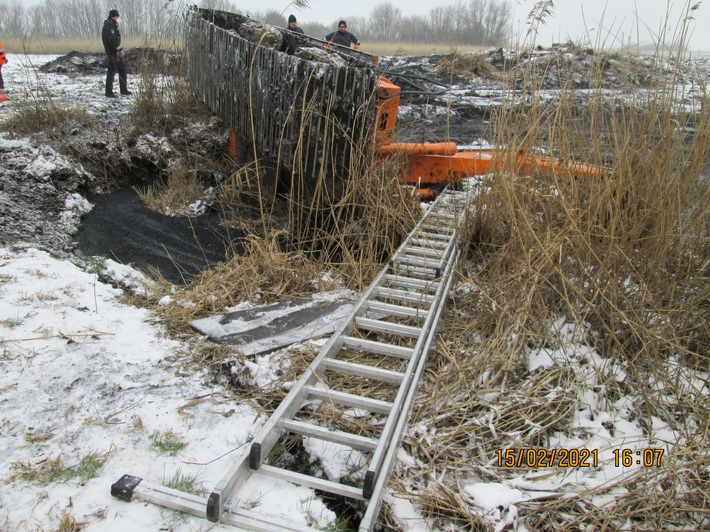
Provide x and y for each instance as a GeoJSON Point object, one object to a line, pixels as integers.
{"type": "Point", "coordinates": [522, 457]}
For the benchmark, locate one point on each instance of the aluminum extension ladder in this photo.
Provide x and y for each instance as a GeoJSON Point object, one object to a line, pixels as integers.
{"type": "Point", "coordinates": [386, 340]}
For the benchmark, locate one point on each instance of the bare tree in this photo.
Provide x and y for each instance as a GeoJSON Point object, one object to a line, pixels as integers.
{"type": "Point", "coordinates": [315, 29]}
{"type": "Point", "coordinates": [384, 23]}
{"type": "Point", "coordinates": [483, 22]}
{"type": "Point", "coordinates": [275, 18]}
{"type": "Point", "coordinates": [14, 19]}
{"type": "Point", "coordinates": [497, 22]}
{"type": "Point", "coordinates": [441, 20]}
{"type": "Point", "coordinates": [414, 29]}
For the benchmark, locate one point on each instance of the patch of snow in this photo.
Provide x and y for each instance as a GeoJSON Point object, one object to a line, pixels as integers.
{"type": "Point", "coordinates": [497, 502]}
{"type": "Point", "coordinates": [337, 461]}
{"type": "Point", "coordinates": [406, 514]}
{"type": "Point", "coordinates": [75, 206]}
{"type": "Point", "coordinates": [127, 277]}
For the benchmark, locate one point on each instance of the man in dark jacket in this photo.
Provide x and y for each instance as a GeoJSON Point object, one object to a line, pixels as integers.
{"type": "Point", "coordinates": [343, 37]}
{"type": "Point", "coordinates": [111, 38]}
{"type": "Point", "coordinates": [293, 24]}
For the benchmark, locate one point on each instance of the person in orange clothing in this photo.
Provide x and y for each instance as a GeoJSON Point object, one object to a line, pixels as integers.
{"type": "Point", "coordinates": [3, 60]}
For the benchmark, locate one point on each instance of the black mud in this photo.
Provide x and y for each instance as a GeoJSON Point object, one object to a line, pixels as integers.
{"type": "Point", "coordinates": [122, 228]}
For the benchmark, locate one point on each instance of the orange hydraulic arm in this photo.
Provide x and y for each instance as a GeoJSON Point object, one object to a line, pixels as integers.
{"type": "Point", "coordinates": [434, 163]}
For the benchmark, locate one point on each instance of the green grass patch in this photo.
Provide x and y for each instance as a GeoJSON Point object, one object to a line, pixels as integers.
{"type": "Point", "coordinates": [54, 470]}
{"type": "Point", "coordinates": [167, 443]}
{"type": "Point", "coordinates": [184, 482]}
{"type": "Point", "coordinates": [10, 323]}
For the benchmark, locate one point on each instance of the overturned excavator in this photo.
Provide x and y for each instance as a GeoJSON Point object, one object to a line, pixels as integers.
{"type": "Point", "coordinates": [310, 110]}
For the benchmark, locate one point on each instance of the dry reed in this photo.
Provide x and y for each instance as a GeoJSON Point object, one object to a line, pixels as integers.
{"type": "Point", "coordinates": [624, 259]}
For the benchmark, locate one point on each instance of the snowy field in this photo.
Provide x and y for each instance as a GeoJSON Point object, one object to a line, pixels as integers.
{"type": "Point", "coordinates": [84, 375]}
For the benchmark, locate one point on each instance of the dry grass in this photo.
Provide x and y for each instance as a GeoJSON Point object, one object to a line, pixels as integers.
{"type": "Point", "coordinates": [264, 273]}
{"type": "Point", "coordinates": [64, 46]}
{"type": "Point", "coordinates": [178, 195]}
{"type": "Point", "coordinates": [351, 226]}
{"type": "Point", "coordinates": [44, 114]}
{"type": "Point", "coordinates": [470, 64]}
{"type": "Point", "coordinates": [165, 103]}
{"type": "Point", "coordinates": [404, 48]}
{"type": "Point", "coordinates": [625, 262]}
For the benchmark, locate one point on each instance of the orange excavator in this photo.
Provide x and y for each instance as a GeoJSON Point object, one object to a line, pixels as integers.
{"type": "Point", "coordinates": [271, 86]}
{"type": "Point", "coordinates": [429, 166]}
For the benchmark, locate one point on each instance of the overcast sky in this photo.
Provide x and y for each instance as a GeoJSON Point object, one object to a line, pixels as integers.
{"type": "Point", "coordinates": [611, 23]}
{"type": "Point", "coordinates": [602, 23]}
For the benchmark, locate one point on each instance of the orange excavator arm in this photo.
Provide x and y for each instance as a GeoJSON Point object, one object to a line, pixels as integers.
{"type": "Point", "coordinates": [430, 164]}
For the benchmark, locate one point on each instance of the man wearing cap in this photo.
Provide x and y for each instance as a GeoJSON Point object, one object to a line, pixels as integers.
{"type": "Point", "coordinates": [111, 38]}
{"type": "Point", "coordinates": [343, 37]}
{"type": "Point", "coordinates": [293, 24]}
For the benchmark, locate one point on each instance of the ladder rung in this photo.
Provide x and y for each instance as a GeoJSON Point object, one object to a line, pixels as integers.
{"type": "Point", "coordinates": [311, 482]}
{"type": "Point", "coordinates": [440, 216]}
{"type": "Point", "coordinates": [396, 310]}
{"type": "Point", "coordinates": [430, 243]}
{"type": "Point", "coordinates": [434, 236]}
{"type": "Point", "coordinates": [411, 282]}
{"type": "Point", "coordinates": [421, 251]}
{"type": "Point", "coordinates": [443, 230]}
{"type": "Point", "coordinates": [403, 295]}
{"type": "Point", "coordinates": [363, 370]}
{"type": "Point", "coordinates": [336, 436]}
{"type": "Point", "coordinates": [348, 399]}
{"type": "Point", "coordinates": [387, 327]}
{"type": "Point", "coordinates": [378, 348]}
{"type": "Point", "coordinates": [418, 261]}
{"type": "Point", "coordinates": [427, 273]}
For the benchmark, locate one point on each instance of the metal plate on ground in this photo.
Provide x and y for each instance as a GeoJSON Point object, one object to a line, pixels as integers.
{"type": "Point", "coordinates": [270, 327]}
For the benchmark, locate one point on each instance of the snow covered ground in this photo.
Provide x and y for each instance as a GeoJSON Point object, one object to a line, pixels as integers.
{"type": "Point", "coordinates": [91, 389]}
{"type": "Point", "coordinates": [84, 374]}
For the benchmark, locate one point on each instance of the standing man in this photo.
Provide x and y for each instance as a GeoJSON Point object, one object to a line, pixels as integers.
{"type": "Point", "coordinates": [343, 37]}
{"type": "Point", "coordinates": [293, 24]}
{"type": "Point", "coordinates": [111, 38]}
{"type": "Point", "coordinates": [3, 60]}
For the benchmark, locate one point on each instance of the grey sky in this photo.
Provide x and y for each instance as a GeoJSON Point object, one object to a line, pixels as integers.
{"type": "Point", "coordinates": [610, 23]}
{"type": "Point", "coordinates": [613, 23]}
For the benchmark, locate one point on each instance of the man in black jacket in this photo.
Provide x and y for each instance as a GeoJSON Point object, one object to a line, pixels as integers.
{"type": "Point", "coordinates": [343, 37]}
{"type": "Point", "coordinates": [293, 24]}
{"type": "Point", "coordinates": [111, 38]}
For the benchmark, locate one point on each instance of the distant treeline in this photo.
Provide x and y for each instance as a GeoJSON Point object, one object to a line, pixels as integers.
{"type": "Point", "coordinates": [472, 22]}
